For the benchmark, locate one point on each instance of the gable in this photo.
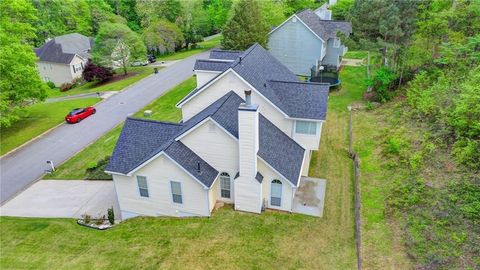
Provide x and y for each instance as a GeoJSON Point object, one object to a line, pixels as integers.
{"type": "Point", "coordinates": [295, 23]}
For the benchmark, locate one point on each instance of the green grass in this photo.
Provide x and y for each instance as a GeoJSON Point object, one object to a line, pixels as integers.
{"type": "Point", "coordinates": [91, 87]}
{"type": "Point", "coordinates": [231, 240]}
{"type": "Point", "coordinates": [163, 109]}
{"type": "Point", "coordinates": [201, 47]}
{"type": "Point", "coordinates": [356, 54]}
{"type": "Point", "coordinates": [228, 240]}
{"type": "Point", "coordinates": [39, 118]}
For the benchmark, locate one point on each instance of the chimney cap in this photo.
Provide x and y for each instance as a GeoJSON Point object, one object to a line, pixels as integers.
{"type": "Point", "coordinates": [248, 92]}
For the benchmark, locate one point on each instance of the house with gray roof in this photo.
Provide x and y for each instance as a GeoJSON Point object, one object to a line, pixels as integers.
{"type": "Point", "coordinates": [246, 138]}
{"type": "Point", "coordinates": [63, 58]}
{"type": "Point", "coordinates": [309, 41]}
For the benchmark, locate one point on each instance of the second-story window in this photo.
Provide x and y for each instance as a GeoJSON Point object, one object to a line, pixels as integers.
{"type": "Point", "coordinates": [306, 127]}
{"type": "Point", "coordinates": [336, 43]}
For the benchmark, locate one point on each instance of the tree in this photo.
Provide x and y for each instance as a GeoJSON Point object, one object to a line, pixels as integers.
{"type": "Point", "coordinates": [116, 44]}
{"type": "Point", "coordinates": [162, 36]}
{"type": "Point", "coordinates": [194, 22]}
{"type": "Point", "coordinates": [218, 11]}
{"type": "Point", "coordinates": [93, 72]}
{"type": "Point", "coordinates": [274, 12]}
{"type": "Point", "coordinates": [152, 10]}
{"type": "Point", "coordinates": [127, 9]}
{"type": "Point", "coordinates": [20, 83]}
{"type": "Point", "coordinates": [297, 5]}
{"type": "Point", "coordinates": [245, 27]}
{"type": "Point", "coordinates": [102, 12]}
{"type": "Point", "coordinates": [56, 17]}
{"type": "Point", "coordinates": [342, 9]}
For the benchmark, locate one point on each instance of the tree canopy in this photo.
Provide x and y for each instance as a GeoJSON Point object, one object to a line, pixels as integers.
{"type": "Point", "coordinates": [117, 45]}
{"type": "Point", "coordinates": [20, 83]}
{"type": "Point", "coordinates": [246, 27]}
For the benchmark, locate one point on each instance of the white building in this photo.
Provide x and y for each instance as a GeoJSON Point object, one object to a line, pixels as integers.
{"type": "Point", "coordinates": [246, 138]}
{"type": "Point", "coordinates": [62, 59]}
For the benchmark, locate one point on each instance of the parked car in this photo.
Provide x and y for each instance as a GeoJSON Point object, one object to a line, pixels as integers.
{"type": "Point", "coordinates": [140, 63]}
{"type": "Point", "coordinates": [78, 114]}
{"type": "Point", "coordinates": [151, 58]}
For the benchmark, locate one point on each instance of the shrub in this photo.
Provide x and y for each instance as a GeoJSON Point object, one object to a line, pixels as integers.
{"type": "Point", "coordinates": [111, 215]}
{"type": "Point", "coordinates": [467, 152]}
{"type": "Point", "coordinates": [65, 87]}
{"type": "Point", "coordinates": [86, 218]}
{"type": "Point", "coordinates": [394, 145]}
{"type": "Point", "coordinates": [380, 83]}
{"type": "Point", "coordinates": [94, 72]}
{"type": "Point", "coordinates": [97, 171]}
{"type": "Point", "coordinates": [50, 84]}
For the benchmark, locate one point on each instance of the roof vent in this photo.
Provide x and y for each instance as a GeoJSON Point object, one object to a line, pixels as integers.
{"type": "Point", "coordinates": [264, 84]}
{"type": "Point", "coordinates": [240, 60]}
{"type": "Point", "coordinates": [198, 167]}
{"type": "Point", "coordinates": [248, 97]}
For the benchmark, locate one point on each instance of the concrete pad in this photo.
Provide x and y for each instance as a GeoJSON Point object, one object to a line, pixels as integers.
{"type": "Point", "coordinates": [64, 199]}
{"type": "Point", "coordinates": [310, 197]}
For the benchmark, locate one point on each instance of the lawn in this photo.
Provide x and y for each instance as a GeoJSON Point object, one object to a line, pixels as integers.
{"type": "Point", "coordinates": [201, 47]}
{"type": "Point", "coordinates": [39, 118]}
{"type": "Point", "coordinates": [163, 109]}
{"type": "Point", "coordinates": [356, 54]}
{"type": "Point", "coordinates": [91, 87]}
{"type": "Point", "coordinates": [231, 240]}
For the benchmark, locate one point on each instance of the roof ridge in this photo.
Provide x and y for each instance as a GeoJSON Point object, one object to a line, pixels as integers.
{"type": "Point", "coordinates": [212, 60]}
{"type": "Point", "coordinates": [152, 121]}
{"type": "Point", "coordinates": [229, 94]}
{"type": "Point", "coordinates": [222, 50]}
{"type": "Point", "coordinates": [302, 82]}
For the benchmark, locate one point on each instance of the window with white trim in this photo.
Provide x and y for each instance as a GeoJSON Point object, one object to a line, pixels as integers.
{"type": "Point", "coordinates": [142, 186]}
{"type": "Point", "coordinates": [176, 192]}
{"type": "Point", "coordinates": [336, 43]}
{"type": "Point", "coordinates": [276, 193]}
{"type": "Point", "coordinates": [76, 67]}
{"type": "Point", "coordinates": [225, 186]}
{"type": "Point", "coordinates": [306, 127]}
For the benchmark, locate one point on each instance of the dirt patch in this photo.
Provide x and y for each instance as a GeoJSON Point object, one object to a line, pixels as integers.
{"type": "Point", "coordinates": [307, 195]}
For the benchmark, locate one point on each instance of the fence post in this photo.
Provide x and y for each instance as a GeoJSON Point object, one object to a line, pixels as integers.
{"type": "Point", "coordinates": [357, 196]}
{"type": "Point", "coordinates": [369, 89]}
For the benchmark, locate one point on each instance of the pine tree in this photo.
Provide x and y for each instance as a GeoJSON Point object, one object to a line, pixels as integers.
{"type": "Point", "coordinates": [246, 27]}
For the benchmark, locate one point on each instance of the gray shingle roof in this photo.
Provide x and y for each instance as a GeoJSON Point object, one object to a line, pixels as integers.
{"type": "Point", "coordinates": [62, 49]}
{"type": "Point", "coordinates": [326, 29]}
{"type": "Point", "coordinates": [140, 140]}
{"type": "Point", "coordinates": [211, 65]}
{"type": "Point", "coordinates": [224, 54]}
{"type": "Point", "coordinates": [296, 99]}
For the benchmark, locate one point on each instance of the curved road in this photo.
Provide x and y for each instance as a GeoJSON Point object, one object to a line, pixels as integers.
{"type": "Point", "coordinates": [24, 166]}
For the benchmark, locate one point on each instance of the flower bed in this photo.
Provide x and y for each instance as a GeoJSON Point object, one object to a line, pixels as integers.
{"type": "Point", "coordinates": [96, 224]}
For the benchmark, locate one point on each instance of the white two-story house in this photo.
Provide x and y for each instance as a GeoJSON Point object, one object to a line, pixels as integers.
{"type": "Point", "coordinates": [309, 40]}
{"type": "Point", "coordinates": [246, 138]}
{"type": "Point", "coordinates": [63, 58]}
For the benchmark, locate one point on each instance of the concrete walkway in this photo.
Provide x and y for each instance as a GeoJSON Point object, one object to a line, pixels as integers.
{"type": "Point", "coordinates": [24, 166]}
{"type": "Point", "coordinates": [352, 62]}
{"type": "Point", "coordinates": [64, 199]}
{"type": "Point", "coordinates": [102, 95]}
{"type": "Point", "coordinates": [310, 197]}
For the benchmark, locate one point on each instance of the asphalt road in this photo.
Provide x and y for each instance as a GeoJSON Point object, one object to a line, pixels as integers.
{"type": "Point", "coordinates": [24, 166]}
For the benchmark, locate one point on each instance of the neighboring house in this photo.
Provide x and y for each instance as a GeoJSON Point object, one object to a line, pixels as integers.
{"type": "Point", "coordinates": [305, 42]}
{"type": "Point", "coordinates": [62, 59]}
{"type": "Point", "coordinates": [246, 138]}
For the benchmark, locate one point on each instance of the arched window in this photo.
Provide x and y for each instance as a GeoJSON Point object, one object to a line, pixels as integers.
{"type": "Point", "coordinates": [225, 185]}
{"type": "Point", "coordinates": [276, 193]}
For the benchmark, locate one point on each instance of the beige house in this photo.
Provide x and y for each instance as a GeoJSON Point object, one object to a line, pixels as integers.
{"type": "Point", "coordinates": [62, 59]}
{"type": "Point", "coordinates": [246, 138]}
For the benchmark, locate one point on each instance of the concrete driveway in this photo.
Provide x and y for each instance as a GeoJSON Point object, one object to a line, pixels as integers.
{"type": "Point", "coordinates": [22, 167]}
{"type": "Point", "coordinates": [64, 199]}
{"type": "Point", "coordinates": [310, 197]}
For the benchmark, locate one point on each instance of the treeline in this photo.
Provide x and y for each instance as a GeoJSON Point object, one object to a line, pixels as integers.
{"type": "Point", "coordinates": [430, 53]}
{"type": "Point", "coordinates": [431, 49]}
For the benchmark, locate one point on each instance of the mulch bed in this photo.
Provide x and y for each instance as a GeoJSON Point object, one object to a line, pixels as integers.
{"type": "Point", "coordinates": [117, 77]}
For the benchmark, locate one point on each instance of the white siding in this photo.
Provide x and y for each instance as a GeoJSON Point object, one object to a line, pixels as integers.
{"type": "Point", "coordinates": [307, 141]}
{"type": "Point", "coordinates": [59, 73]}
{"type": "Point", "coordinates": [214, 194]}
{"type": "Point", "coordinates": [217, 148]}
{"type": "Point", "coordinates": [204, 76]}
{"type": "Point", "coordinates": [306, 162]}
{"type": "Point", "coordinates": [287, 191]}
{"type": "Point", "coordinates": [248, 191]}
{"type": "Point", "coordinates": [227, 83]}
{"type": "Point", "coordinates": [159, 173]}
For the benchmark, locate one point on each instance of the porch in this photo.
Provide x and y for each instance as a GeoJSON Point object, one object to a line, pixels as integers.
{"type": "Point", "coordinates": [310, 197]}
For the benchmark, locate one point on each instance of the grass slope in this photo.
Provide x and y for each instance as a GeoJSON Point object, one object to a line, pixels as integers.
{"type": "Point", "coordinates": [91, 87]}
{"type": "Point", "coordinates": [163, 109]}
{"type": "Point", "coordinates": [40, 118]}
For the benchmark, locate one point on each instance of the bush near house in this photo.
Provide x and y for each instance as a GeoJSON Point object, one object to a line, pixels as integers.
{"type": "Point", "coordinates": [97, 170]}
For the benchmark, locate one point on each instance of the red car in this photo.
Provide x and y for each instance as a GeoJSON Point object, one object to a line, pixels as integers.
{"type": "Point", "coordinates": [78, 114]}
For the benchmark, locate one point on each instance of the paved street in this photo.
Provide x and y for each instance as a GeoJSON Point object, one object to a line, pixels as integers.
{"type": "Point", "coordinates": [24, 166]}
